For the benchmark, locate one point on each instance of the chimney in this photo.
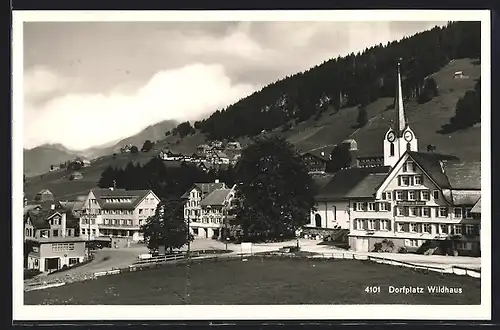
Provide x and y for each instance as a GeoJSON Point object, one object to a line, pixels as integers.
{"type": "Point", "coordinates": [63, 224]}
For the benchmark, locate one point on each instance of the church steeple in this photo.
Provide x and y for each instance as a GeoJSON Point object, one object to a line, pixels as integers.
{"type": "Point", "coordinates": [399, 138]}
{"type": "Point", "coordinates": [400, 123]}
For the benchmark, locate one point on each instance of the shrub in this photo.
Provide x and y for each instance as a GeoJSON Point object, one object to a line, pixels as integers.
{"type": "Point", "coordinates": [402, 249]}
{"type": "Point", "coordinates": [377, 247]}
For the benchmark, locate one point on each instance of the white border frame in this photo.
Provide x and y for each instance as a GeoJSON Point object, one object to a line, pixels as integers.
{"type": "Point", "coordinates": [240, 312]}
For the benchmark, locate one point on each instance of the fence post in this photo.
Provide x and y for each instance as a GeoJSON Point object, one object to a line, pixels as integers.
{"type": "Point", "coordinates": [343, 257]}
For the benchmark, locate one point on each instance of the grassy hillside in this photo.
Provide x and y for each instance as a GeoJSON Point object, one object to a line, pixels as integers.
{"type": "Point", "coordinates": [425, 119]}
{"type": "Point", "coordinates": [332, 128]}
{"type": "Point", "coordinates": [38, 160]}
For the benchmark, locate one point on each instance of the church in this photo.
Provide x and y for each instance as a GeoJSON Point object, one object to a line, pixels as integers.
{"type": "Point", "coordinates": [414, 202]}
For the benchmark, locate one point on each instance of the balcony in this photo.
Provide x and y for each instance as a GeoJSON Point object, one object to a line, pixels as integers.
{"type": "Point", "coordinates": [117, 226]}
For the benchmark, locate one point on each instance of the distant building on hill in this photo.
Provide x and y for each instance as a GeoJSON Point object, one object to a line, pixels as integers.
{"type": "Point", "coordinates": [44, 195]}
{"type": "Point", "coordinates": [75, 176]}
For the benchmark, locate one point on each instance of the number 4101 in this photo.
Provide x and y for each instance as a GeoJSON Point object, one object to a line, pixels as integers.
{"type": "Point", "coordinates": [372, 289]}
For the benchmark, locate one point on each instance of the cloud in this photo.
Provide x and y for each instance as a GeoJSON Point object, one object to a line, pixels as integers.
{"type": "Point", "coordinates": [82, 120]}
{"type": "Point", "coordinates": [40, 82]}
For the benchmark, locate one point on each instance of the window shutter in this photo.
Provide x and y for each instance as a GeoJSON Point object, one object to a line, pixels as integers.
{"type": "Point", "coordinates": [388, 206]}
{"type": "Point", "coordinates": [377, 207]}
{"type": "Point", "coordinates": [411, 181]}
{"type": "Point", "coordinates": [394, 211]}
{"type": "Point", "coordinates": [406, 211]}
{"type": "Point", "coordinates": [365, 206]}
{"type": "Point", "coordinates": [355, 224]}
{"type": "Point", "coordinates": [388, 225]}
{"type": "Point", "coordinates": [399, 181]}
{"type": "Point", "coordinates": [355, 206]}
{"type": "Point", "coordinates": [406, 227]}
{"type": "Point", "coordinates": [394, 195]}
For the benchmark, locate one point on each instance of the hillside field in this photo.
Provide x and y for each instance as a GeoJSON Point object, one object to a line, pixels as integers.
{"type": "Point", "coordinates": [263, 281]}
{"type": "Point", "coordinates": [332, 128]}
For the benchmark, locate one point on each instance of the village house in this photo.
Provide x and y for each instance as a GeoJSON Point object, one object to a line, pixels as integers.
{"type": "Point", "coordinates": [53, 232]}
{"type": "Point", "coordinates": [315, 161]}
{"type": "Point", "coordinates": [168, 155]}
{"type": "Point", "coordinates": [202, 149]}
{"type": "Point", "coordinates": [234, 145]}
{"type": "Point", "coordinates": [421, 202]}
{"type": "Point", "coordinates": [116, 214]}
{"type": "Point", "coordinates": [75, 176]}
{"type": "Point", "coordinates": [195, 211]}
{"type": "Point", "coordinates": [44, 195]}
{"type": "Point", "coordinates": [214, 209]}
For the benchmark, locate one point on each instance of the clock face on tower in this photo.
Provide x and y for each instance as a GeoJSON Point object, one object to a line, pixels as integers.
{"type": "Point", "coordinates": [408, 136]}
{"type": "Point", "coordinates": [391, 136]}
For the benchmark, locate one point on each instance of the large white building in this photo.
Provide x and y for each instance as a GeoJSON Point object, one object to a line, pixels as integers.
{"type": "Point", "coordinates": [109, 213]}
{"type": "Point", "coordinates": [419, 201]}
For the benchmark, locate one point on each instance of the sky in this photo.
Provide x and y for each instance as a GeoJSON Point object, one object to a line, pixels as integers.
{"type": "Point", "coordinates": [89, 83]}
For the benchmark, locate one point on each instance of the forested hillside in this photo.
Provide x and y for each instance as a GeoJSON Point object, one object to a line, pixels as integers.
{"type": "Point", "coordinates": [354, 80]}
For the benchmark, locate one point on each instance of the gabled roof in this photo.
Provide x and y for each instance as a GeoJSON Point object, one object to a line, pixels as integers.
{"type": "Point", "coordinates": [432, 163]}
{"type": "Point", "coordinates": [477, 207]}
{"type": "Point", "coordinates": [204, 188]}
{"type": "Point", "coordinates": [464, 197]}
{"type": "Point", "coordinates": [353, 182]}
{"type": "Point", "coordinates": [135, 195]}
{"type": "Point", "coordinates": [39, 218]}
{"type": "Point", "coordinates": [215, 198]}
{"type": "Point", "coordinates": [367, 187]}
{"type": "Point", "coordinates": [463, 174]}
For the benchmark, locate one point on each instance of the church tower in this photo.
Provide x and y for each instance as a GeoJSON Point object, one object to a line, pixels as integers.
{"type": "Point", "coordinates": [400, 137]}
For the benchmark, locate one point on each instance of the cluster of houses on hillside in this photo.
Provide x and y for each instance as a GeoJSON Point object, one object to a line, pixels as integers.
{"type": "Point", "coordinates": [406, 199]}
{"type": "Point", "coordinates": [207, 156]}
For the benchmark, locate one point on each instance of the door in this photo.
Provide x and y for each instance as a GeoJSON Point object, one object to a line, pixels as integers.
{"type": "Point", "coordinates": [317, 220]}
{"type": "Point", "coordinates": [52, 264]}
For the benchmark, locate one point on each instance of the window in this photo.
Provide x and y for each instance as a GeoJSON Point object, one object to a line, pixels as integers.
{"type": "Point", "coordinates": [408, 146]}
{"type": "Point", "coordinates": [129, 222]}
{"type": "Point", "coordinates": [411, 195]}
{"type": "Point", "coordinates": [457, 229]}
{"type": "Point", "coordinates": [401, 227]}
{"type": "Point", "coordinates": [468, 215]}
{"type": "Point", "coordinates": [469, 229]}
{"type": "Point", "coordinates": [389, 195]}
{"type": "Point", "coordinates": [443, 228]}
{"type": "Point", "coordinates": [413, 227]}
{"type": "Point", "coordinates": [140, 211]}
{"type": "Point", "coordinates": [55, 233]}
{"type": "Point", "coordinates": [27, 232]}
{"type": "Point", "coordinates": [358, 206]}
{"type": "Point", "coordinates": [384, 224]}
{"type": "Point", "coordinates": [384, 196]}
{"type": "Point", "coordinates": [411, 242]}
{"type": "Point", "coordinates": [83, 231]}
{"type": "Point", "coordinates": [399, 195]}
{"type": "Point", "coordinates": [93, 231]}
{"type": "Point", "coordinates": [426, 228]}
{"type": "Point", "coordinates": [417, 180]}
{"type": "Point", "coordinates": [383, 206]}
{"type": "Point", "coordinates": [435, 194]}
{"type": "Point", "coordinates": [426, 212]}
{"type": "Point", "coordinates": [457, 212]}
{"type": "Point", "coordinates": [371, 224]}
{"type": "Point", "coordinates": [443, 212]}
{"type": "Point", "coordinates": [412, 211]}
{"type": "Point", "coordinates": [63, 247]}
{"type": "Point", "coordinates": [400, 211]}
{"type": "Point", "coordinates": [360, 223]}
{"type": "Point", "coordinates": [371, 206]}
{"type": "Point", "coordinates": [405, 167]}
{"type": "Point", "coordinates": [424, 195]}
{"type": "Point", "coordinates": [405, 180]}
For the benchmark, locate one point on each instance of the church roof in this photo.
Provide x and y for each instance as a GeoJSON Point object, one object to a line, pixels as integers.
{"type": "Point", "coordinates": [353, 182]}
